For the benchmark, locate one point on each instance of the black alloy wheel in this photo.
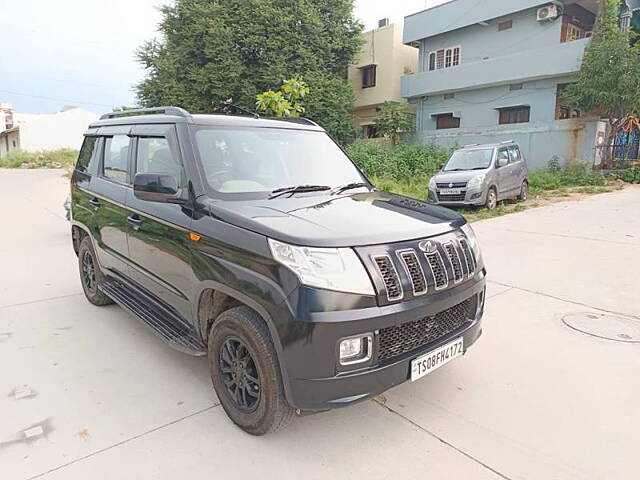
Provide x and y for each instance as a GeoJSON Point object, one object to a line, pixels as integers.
{"type": "Point", "coordinates": [239, 374]}
{"type": "Point", "coordinates": [89, 272]}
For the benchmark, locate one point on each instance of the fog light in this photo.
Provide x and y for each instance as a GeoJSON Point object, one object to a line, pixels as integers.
{"type": "Point", "coordinates": [356, 349]}
{"type": "Point", "coordinates": [476, 195]}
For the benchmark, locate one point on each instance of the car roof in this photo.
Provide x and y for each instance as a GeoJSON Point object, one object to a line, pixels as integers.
{"type": "Point", "coordinates": [157, 115]}
{"type": "Point", "coordinates": [486, 146]}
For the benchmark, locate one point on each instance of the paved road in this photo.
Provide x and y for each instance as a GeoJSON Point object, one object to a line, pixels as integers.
{"type": "Point", "coordinates": [533, 399]}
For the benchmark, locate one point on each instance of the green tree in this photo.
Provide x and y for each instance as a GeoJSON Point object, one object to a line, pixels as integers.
{"type": "Point", "coordinates": [287, 102]}
{"type": "Point", "coordinates": [393, 119]}
{"type": "Point", "coordinates": [211, 51]}
{"type": "Point", "coordinates": [608, 83]}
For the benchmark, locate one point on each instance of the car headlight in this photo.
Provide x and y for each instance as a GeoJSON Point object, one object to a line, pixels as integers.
{"type": "Point", "coordinates": [476, 181]}
{"type": "Point", "coordinates": [432, 183]}
{"type": "Point", "coordinates": [337, 269]}
{"type": "Point", "coordinates": [473, 242]}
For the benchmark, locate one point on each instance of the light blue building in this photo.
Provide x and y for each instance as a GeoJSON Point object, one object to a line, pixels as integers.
{"type": "Point", "coordinates": [493, 70]}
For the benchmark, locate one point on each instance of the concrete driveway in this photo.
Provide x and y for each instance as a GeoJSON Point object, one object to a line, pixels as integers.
{"type": "Point", "coordinates": [89, 393]}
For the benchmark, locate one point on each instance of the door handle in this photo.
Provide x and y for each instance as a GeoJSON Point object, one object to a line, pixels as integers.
{"type": "Point", "coordinates": [134, 220]}
{"type": "Point", "coordinates": [95, 202]}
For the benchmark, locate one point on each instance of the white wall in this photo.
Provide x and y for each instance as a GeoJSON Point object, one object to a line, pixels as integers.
{"type": "Point", "coordinates": [53, 131]}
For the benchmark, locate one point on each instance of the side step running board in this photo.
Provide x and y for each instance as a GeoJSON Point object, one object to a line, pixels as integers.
{"type": "Point", "coordinates": [171, 327]}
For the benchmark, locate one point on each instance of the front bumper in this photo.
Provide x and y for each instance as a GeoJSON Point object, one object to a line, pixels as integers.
{"type": "Point", "coordinates": [317, 382]}
{"type": "Point", "coordinates": [471, 197]}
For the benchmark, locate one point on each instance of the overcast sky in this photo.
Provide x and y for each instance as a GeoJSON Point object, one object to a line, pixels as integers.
{"type": "Point", "coordinates": [81, 52]}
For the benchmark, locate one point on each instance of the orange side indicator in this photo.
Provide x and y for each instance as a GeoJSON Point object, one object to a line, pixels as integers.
{"type": "Point", "coordinates": [195, 237]}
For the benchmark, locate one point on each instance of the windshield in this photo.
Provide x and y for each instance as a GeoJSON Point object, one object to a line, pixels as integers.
{"type": "Point", "coordinates": [469, 160]}
{"type": "Point", "coordinates": [252, 160]}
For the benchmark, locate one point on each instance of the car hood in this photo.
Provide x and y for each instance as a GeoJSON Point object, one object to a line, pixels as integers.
{"type": "Point", "coordinates": [345, 221]}
{"type": "Point", "coordinates": [458, 177]}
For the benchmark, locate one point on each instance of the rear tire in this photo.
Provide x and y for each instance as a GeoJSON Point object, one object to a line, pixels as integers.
{"type": "Point", "coordinates": [90, 274]}
{"type": "Point", "coordinates": [492, 199]}
{"type": "Point", "coordinates": [524, 191]}
{"type": "Point", "coordinates": [246, 373]}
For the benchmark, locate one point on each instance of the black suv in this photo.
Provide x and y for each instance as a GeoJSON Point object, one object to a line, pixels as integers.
{"type": "Point", "coordinates": [259, 243]}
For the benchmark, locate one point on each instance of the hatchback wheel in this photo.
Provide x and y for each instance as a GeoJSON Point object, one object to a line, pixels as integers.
{"type": "Point", "coordinates": [524, 191]}
{"type": "Point", "coordinates": [492, 199]}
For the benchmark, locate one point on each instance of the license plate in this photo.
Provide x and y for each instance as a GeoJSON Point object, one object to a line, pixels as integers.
{"type": "Point", "coordinates": [450, 191]}
{"type": "Point", "coordinates": [433, 360]}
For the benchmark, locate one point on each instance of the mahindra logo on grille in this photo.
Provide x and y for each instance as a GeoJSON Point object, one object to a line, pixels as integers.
{"type": "Point", "coordinates": [451, 185]}
{"type": "Point", "coordinates": [428, 246]}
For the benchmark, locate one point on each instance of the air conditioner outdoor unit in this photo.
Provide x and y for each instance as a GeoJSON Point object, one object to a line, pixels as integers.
{"type": "Point", "coordinates": [550, 12]}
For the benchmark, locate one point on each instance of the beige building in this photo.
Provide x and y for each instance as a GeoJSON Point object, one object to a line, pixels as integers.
{"type": "Point", "coordinates": [375, 76]}
{"type": "Point", "coordinates": [40, 132]}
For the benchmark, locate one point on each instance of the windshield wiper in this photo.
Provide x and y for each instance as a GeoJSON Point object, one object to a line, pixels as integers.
{"type": "Point", "coordinates": [298, 189]}
{"type": "Point", "coordinates": [348, 186]}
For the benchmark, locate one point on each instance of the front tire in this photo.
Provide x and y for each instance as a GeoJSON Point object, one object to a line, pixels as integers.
{"type": "Point", "coordinates": [90, 274]}
{"type": "Point", "coordinates": [246, 373]}
{"type": "Point", "coordinates": [492, 199]}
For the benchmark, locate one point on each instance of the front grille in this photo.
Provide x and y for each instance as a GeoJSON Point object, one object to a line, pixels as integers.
{"type": "Point", "coordinates": [452, 185]}
{"type": "Point", "coordinates": [438, 270]}
{"type": "Point", "coordinates": [410, 336]}
{"type": "Point", "coordinates": [468, 256]}
{"type": "Point", "coordinates": [454, 259]}
{"type": "Point", "coordinates": [452, 198]}
{"type": "Point", "coordinates": [414, 270]}
{"type": "Point", "coordinates": [389, 276]}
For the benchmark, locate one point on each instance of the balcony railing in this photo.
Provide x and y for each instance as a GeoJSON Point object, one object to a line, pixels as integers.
{"type": "Point", "coordinates": [547, 62]}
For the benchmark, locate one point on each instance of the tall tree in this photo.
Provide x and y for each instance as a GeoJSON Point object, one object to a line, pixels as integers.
{"type": "Point", "coordinates": [214, 50]}
{"type": "Point", "coordinates": [394, 118]}
{"type": "Point", "coordinates": [608, 83]}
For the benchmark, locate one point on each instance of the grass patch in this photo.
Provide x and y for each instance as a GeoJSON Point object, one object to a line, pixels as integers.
{"type": "Point", "coordinates": [61, 158]}
{"type": "Point", "coordinates": [545, 185]}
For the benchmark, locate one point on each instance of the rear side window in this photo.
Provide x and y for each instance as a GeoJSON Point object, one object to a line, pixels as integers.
{"type": "Point", "coordinates": [155, 156]}
{"type": "Point", "coordinates": [116, 155]}
{"type": "Point", "coordinates": [86, 153]}
{"type": "Point", "coordinates": [514, 154]}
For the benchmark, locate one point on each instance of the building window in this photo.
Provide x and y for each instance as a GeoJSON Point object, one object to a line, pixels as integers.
{"type": "Point", "coordinates": [369, 76]}
{"type": "Point", "coordinates": [446, 121]}
{"type": "Point", "coordinates": [510, 115]}
{"type": "Point", "coordinates": [505, 25]}
{"type": "Point", "coordinates": [444, 58]}
{"type": "Point", "coordinates": [564, 111]}
{"type": "Point", "coordinates": [369, 131]}
{"type": "Point", "coordinates": [577, 23]}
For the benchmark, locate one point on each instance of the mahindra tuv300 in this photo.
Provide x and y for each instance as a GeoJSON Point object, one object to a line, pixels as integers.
{"type": "Point", "coordinates": [259, 243]}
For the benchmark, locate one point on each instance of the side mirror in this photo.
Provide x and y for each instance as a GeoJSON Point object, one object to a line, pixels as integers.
{"type": "Point", "coordinates": [502, 162]}
{"type": "Point", "coordinates": [442, 165]}
{"type": "Point", "coordinates": [156, 187]}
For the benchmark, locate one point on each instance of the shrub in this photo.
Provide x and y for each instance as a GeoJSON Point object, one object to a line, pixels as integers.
{"type": "Point", "coordinates": [411, 161]}
{"type": "Point", "coordinates": [369, 156]}
{"type": "Point", "coordinates": [630, 175]}
{"type": "Point", "coordinates": [61, 158]}
{"type": "Point", "coordinates": [555, 178]}
{"type": "Point", "coordinates": [404, 162]}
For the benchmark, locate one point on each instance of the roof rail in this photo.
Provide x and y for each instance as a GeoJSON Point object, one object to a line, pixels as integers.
{"type": "Point", "coordinates": [177, 111]}
{"type": "Point", "coordinates": [507, 141]}
{"type": "Point", "coordinates": [471, 145]}
{"type": "Point", "coordinates": [300, 120]}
